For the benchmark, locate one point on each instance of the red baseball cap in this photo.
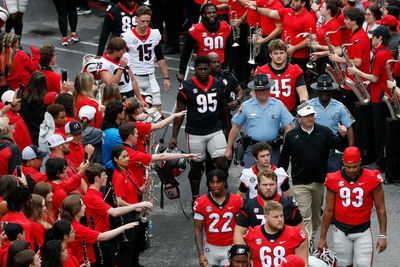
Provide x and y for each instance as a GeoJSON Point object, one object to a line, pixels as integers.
{"type": "Point", "coordinates": [293, 260]}
{"type": "Point", "coordinates": [49, 98]}
{"type": "Point", "coordinates": [389, 20]}
{"type": "Point", "coordinates": [351, 155]}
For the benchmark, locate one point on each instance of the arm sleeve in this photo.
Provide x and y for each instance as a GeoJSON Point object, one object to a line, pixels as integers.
{"type": "Point", "coordinates": [243, 188]}
{"type": "Point", "coordinates": [105, 32]}
{"type": "Point", "coordinates": [158, 52]}
{"type": "Point", "coordinates": [186, 53]}
{"type": "Point", "coordinates": [285, 186]}
{"type": "Point", "coordinates": [31, 64]}
{"type": "Point", "coordinates": [72, 183]}
{"type": "Point", "coordinates": [300, 80]}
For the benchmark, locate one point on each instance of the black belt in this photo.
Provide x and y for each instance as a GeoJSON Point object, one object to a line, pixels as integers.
{"type": "Point", "coordinates": [144, 75]}
{"type": "Point", "coordinates": [274, 143]}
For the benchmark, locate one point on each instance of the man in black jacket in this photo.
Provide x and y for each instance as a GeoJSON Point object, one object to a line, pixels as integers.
{"type": "Point", "coordinates": [10, 156]}
{"type": "Point", "coordinates": [307, 147]}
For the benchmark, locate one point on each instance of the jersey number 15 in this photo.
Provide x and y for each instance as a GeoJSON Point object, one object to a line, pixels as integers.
{"type": "Point", "coordinates": [144, 52]}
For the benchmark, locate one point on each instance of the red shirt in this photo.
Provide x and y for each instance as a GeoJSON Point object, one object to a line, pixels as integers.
{"type": "Point", "coordinates": [266, 252]}
{"type": "Point", "coordinates": [136, 161]}
{"type": "Point", "coordinates": [284, 88]}
{"type": "Point", "coordinates": [19, 218]}
{"type": "Point", "coordinates": [361, 49]}
{"type": "Point", "coordinates": [267, 24]}
{"type": "Point", "coordinates": [124, 185]}
{"type": "Point", "coordinates": [353, 198]}
{"type": "Point", "coordinates": [38, 231]}
{"type": "Point", "coordinates": [381, 55]}
{"type": "Point", "coordinates": [211, 42]}
{"type": "Point", "coordinates": [53, 80]}
{"type": "Point", "coordinates": [35, 174]}
{"type": "Point", "coordinates": [346, 32]}
{"type": "Point", "coordinates": [71, 260]}
{"type": "Point", "coordinates": [83, 101]}
{"type": "Point", "coordinates": [97, 208]}
{"type": "Point", "coordinates": [236, 6]}
{"type": "Point", "coordinates": [87, 234]}
{"type": "Point", "coordinates": [294, 24]}
{"type": "Point", "coordinates": [144, 130]}
{"type": "Point", "coordinates": [61, 190]}
{"type": "Point", "coordinates": [4, 253]}
{"type": "Point", "coordinates": [76, 154]}
{"type": "Point", "coordinates": [21, 134]}
{"type": "Point", "coordinates": [219, 220]}
{"type": "Point", "coordinates": [334, 38]}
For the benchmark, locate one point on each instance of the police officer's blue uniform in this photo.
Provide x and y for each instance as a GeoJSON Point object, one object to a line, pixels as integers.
{"type": "Point", "coordinates": [262, 124]}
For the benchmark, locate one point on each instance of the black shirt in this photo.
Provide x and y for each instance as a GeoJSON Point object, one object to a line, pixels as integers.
{"type": "Point", "coordinates": [229, 82]}
{"type": "Point", "coordinates": [252, 212]}
{"type": "Point", "coordinates": [308, 153]}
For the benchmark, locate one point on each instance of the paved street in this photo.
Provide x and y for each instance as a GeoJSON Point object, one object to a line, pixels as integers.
{"type": "Point", "coordinates": [172, 244]}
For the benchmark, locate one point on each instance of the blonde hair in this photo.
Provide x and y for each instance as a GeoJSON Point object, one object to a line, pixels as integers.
{"type": "Point", "coordinates": [267, 173]}
{"type": "Point", "coordinates": [83, 86]}
{"type": "Point", "coordinates": [9, 40]}
{"type": "Point", "coordinates": [272, 205]}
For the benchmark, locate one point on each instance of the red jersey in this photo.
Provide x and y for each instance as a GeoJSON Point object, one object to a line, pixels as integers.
{"type": "Point", "coordinates": [219, 220]}
{"type": "Point", "coordinates": [144, 130]}
{"type": "Point", "coordinates": [21, 135]}
{"type": "Point", "coordinates": [268, 252]}
{"type": "Point", "coordinates": [334, 38]}
{"type": "Point", "coordinates": [97, 208]}
{"type": "Point", "coordinates": [137, 162]}
{"type": "Point", "coordinates": [294, 24]}
{"type": "Point", "coordinates": [87, 234]}
{"type": "Point", "coordinates": [35, 174]}
{"type": "Point", "coordinates": [211, 42]}
{"type": "Point", "coordinates": [285, 85]}
{"type": "Point", "coordinates": [381, 55]}
{"type": "Point", "coordinates": [236, 6]}
{"type": "Point", "coordinates": [268, 24]}
{"type": "Point", "coordinates": [4, 253]}
{"type": "Point", "coordinates": [126, 187]}
{"type": "Point", "coordinates": [353, 197]}
{"type": "Point", "coordinates": [83, 101]}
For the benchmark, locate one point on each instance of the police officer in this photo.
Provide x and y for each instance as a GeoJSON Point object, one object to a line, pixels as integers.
{"type": "Point", "coordinates": [263, 116]}
{"type": "Point", "coordinates": [332, 114]}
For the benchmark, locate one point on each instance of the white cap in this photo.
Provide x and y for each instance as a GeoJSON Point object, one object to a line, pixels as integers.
{"type": "Point", "coordinates": [305, 111]}
{"type": "Point", "coordinates": [87, 112]}
{"type": "Point", "coordinates": [32, 152]}
{"type": "Point", "coordinates": [8, 96]}
{"type": "Point", "coordinates": [4, 123]}
{"type": "Point", "coordinates": [57, 139]}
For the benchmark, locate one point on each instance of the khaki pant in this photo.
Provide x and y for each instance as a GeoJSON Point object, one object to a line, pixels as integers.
{"type": "Point", "coordinates": [310, 198]}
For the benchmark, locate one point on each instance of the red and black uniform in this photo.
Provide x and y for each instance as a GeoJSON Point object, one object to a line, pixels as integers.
{"type": "Point", "coordinates": [353, 196]}
{"type": "Point", "coordinates": [286, 82]}
{"type": "Point", "coordinates": [219, 219]}
{"type": "Point", "coordinates": [117, 20]}
{"type": "Point", "coordinates": [202, 103]}
{"type": "Point", "coordinates": [271, 249]}
{"type": "Point", "coordinates": [208, 40]}
{"type": "Point", "coordinates": [252, 212]}
{"type": "Point", "coordinates": [10, 155]}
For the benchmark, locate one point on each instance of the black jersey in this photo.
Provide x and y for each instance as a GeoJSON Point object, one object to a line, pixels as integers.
{"type": "Point", "coordinates": [252, 212]}
{"type": "Point", "coordinates": [203, 105]}
{"type": "Point", "coordinates": [229, 82]}
{"type": "Point", "coordinates": [117, 20]}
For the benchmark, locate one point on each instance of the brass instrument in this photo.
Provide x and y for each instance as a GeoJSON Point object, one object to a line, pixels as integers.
{"type": "Point", "coordinates": [336, 71]}
{"type": "Point", "coordinates": [235, 31]}
{"type": "Point", "coordinates": [358, 86]}
{"type": "Point", "coordinates": [288, 41]}
{"type": "Point", "coordinates": [254, 34]}
{"type": "Point", "coordinates": [393, 101]}
{"type": "Point", "coordinates": [310, 64]}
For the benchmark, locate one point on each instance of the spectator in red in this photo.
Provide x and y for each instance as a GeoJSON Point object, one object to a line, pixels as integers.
{"type": "Point", "coordinates": [21, 134]}
{"type": "Point", "coordinates": [90, 134]}
{"type": "Point", "coordinates": [18, 66]}
{"type": "Point", "coordinates": [46, 191]}
{"type": "Point", "coordinates": [83, 95]}
{"type": "Point", "coordinates": [32, 105]}
{"type": "Point", "coordinates": [73, 130]}
{"type": "Point", "coordinates": [13, 232]}
{"type": "Point", "coordinates": [10, 155]}
{"type": "Point", "coordinates": [32, 159]}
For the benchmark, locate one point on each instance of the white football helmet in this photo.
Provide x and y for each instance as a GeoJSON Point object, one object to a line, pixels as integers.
{"type": "Point", "coordinates": [3, 16]}
{"type": "Point", "coordinates": [326, 258]}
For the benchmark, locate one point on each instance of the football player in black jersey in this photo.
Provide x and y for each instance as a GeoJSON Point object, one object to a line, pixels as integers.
{"type": "Point", "coordinates": [252, 212]}
{"type": "Point", "coordinates": [119, 18]}
{"type": "Point", "coordinates": [207, 114]}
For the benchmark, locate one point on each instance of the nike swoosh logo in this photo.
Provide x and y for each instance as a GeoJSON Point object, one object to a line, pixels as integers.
{"type": "Point", "coordinates": [281, 242]}
{"type": "Point", "coordinates": [229, 208]}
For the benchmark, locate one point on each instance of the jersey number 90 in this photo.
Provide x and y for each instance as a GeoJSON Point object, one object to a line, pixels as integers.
{"type": "Point", "coordinates": [214, 43]}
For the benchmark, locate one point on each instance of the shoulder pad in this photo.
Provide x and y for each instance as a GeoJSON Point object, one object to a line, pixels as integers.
{"type": "Point", "coordinates": [281, 171]}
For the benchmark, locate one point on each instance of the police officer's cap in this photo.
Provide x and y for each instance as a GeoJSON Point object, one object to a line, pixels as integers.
{"type": "Point", "coordinates": [324, 83]}
{"type": "Point", "coordinates": [260, 82]}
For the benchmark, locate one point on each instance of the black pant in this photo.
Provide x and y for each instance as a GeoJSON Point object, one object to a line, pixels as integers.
{"type": "Point", "coordinates": [66, 10]}
{"type": "Point", "coordinates": [107, 257]}
{"type": "Point", "coordinates": [128, 252]}
{"type": "Point", "coordinates": [380, 113]}
{"type": "Point", "coordinates": [170, 11]}
{"type": "Point", "coordinates": [15, 21]}
{"type": "Point", "coordinates": [83, 4]}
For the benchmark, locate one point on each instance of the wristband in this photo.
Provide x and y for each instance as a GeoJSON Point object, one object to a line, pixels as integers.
{"type": "Point", "coordinates": [382, 236]}
{"type": "Point", "coordinates": [121, 68]}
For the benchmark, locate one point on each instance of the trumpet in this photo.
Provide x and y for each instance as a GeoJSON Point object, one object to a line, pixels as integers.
{"type": "Point", "coordinates": [310, 64]}
{"type": "Point", "coordinates": [288, 41]}
{"type": "Point", "coordinates": [357, 86]}
{"type": "Point", "coordinates": [235, 31]}
{"type": "Point", "coordinates": [254, 34]}
{"type": "Point", "coordinates": [393, 101]}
